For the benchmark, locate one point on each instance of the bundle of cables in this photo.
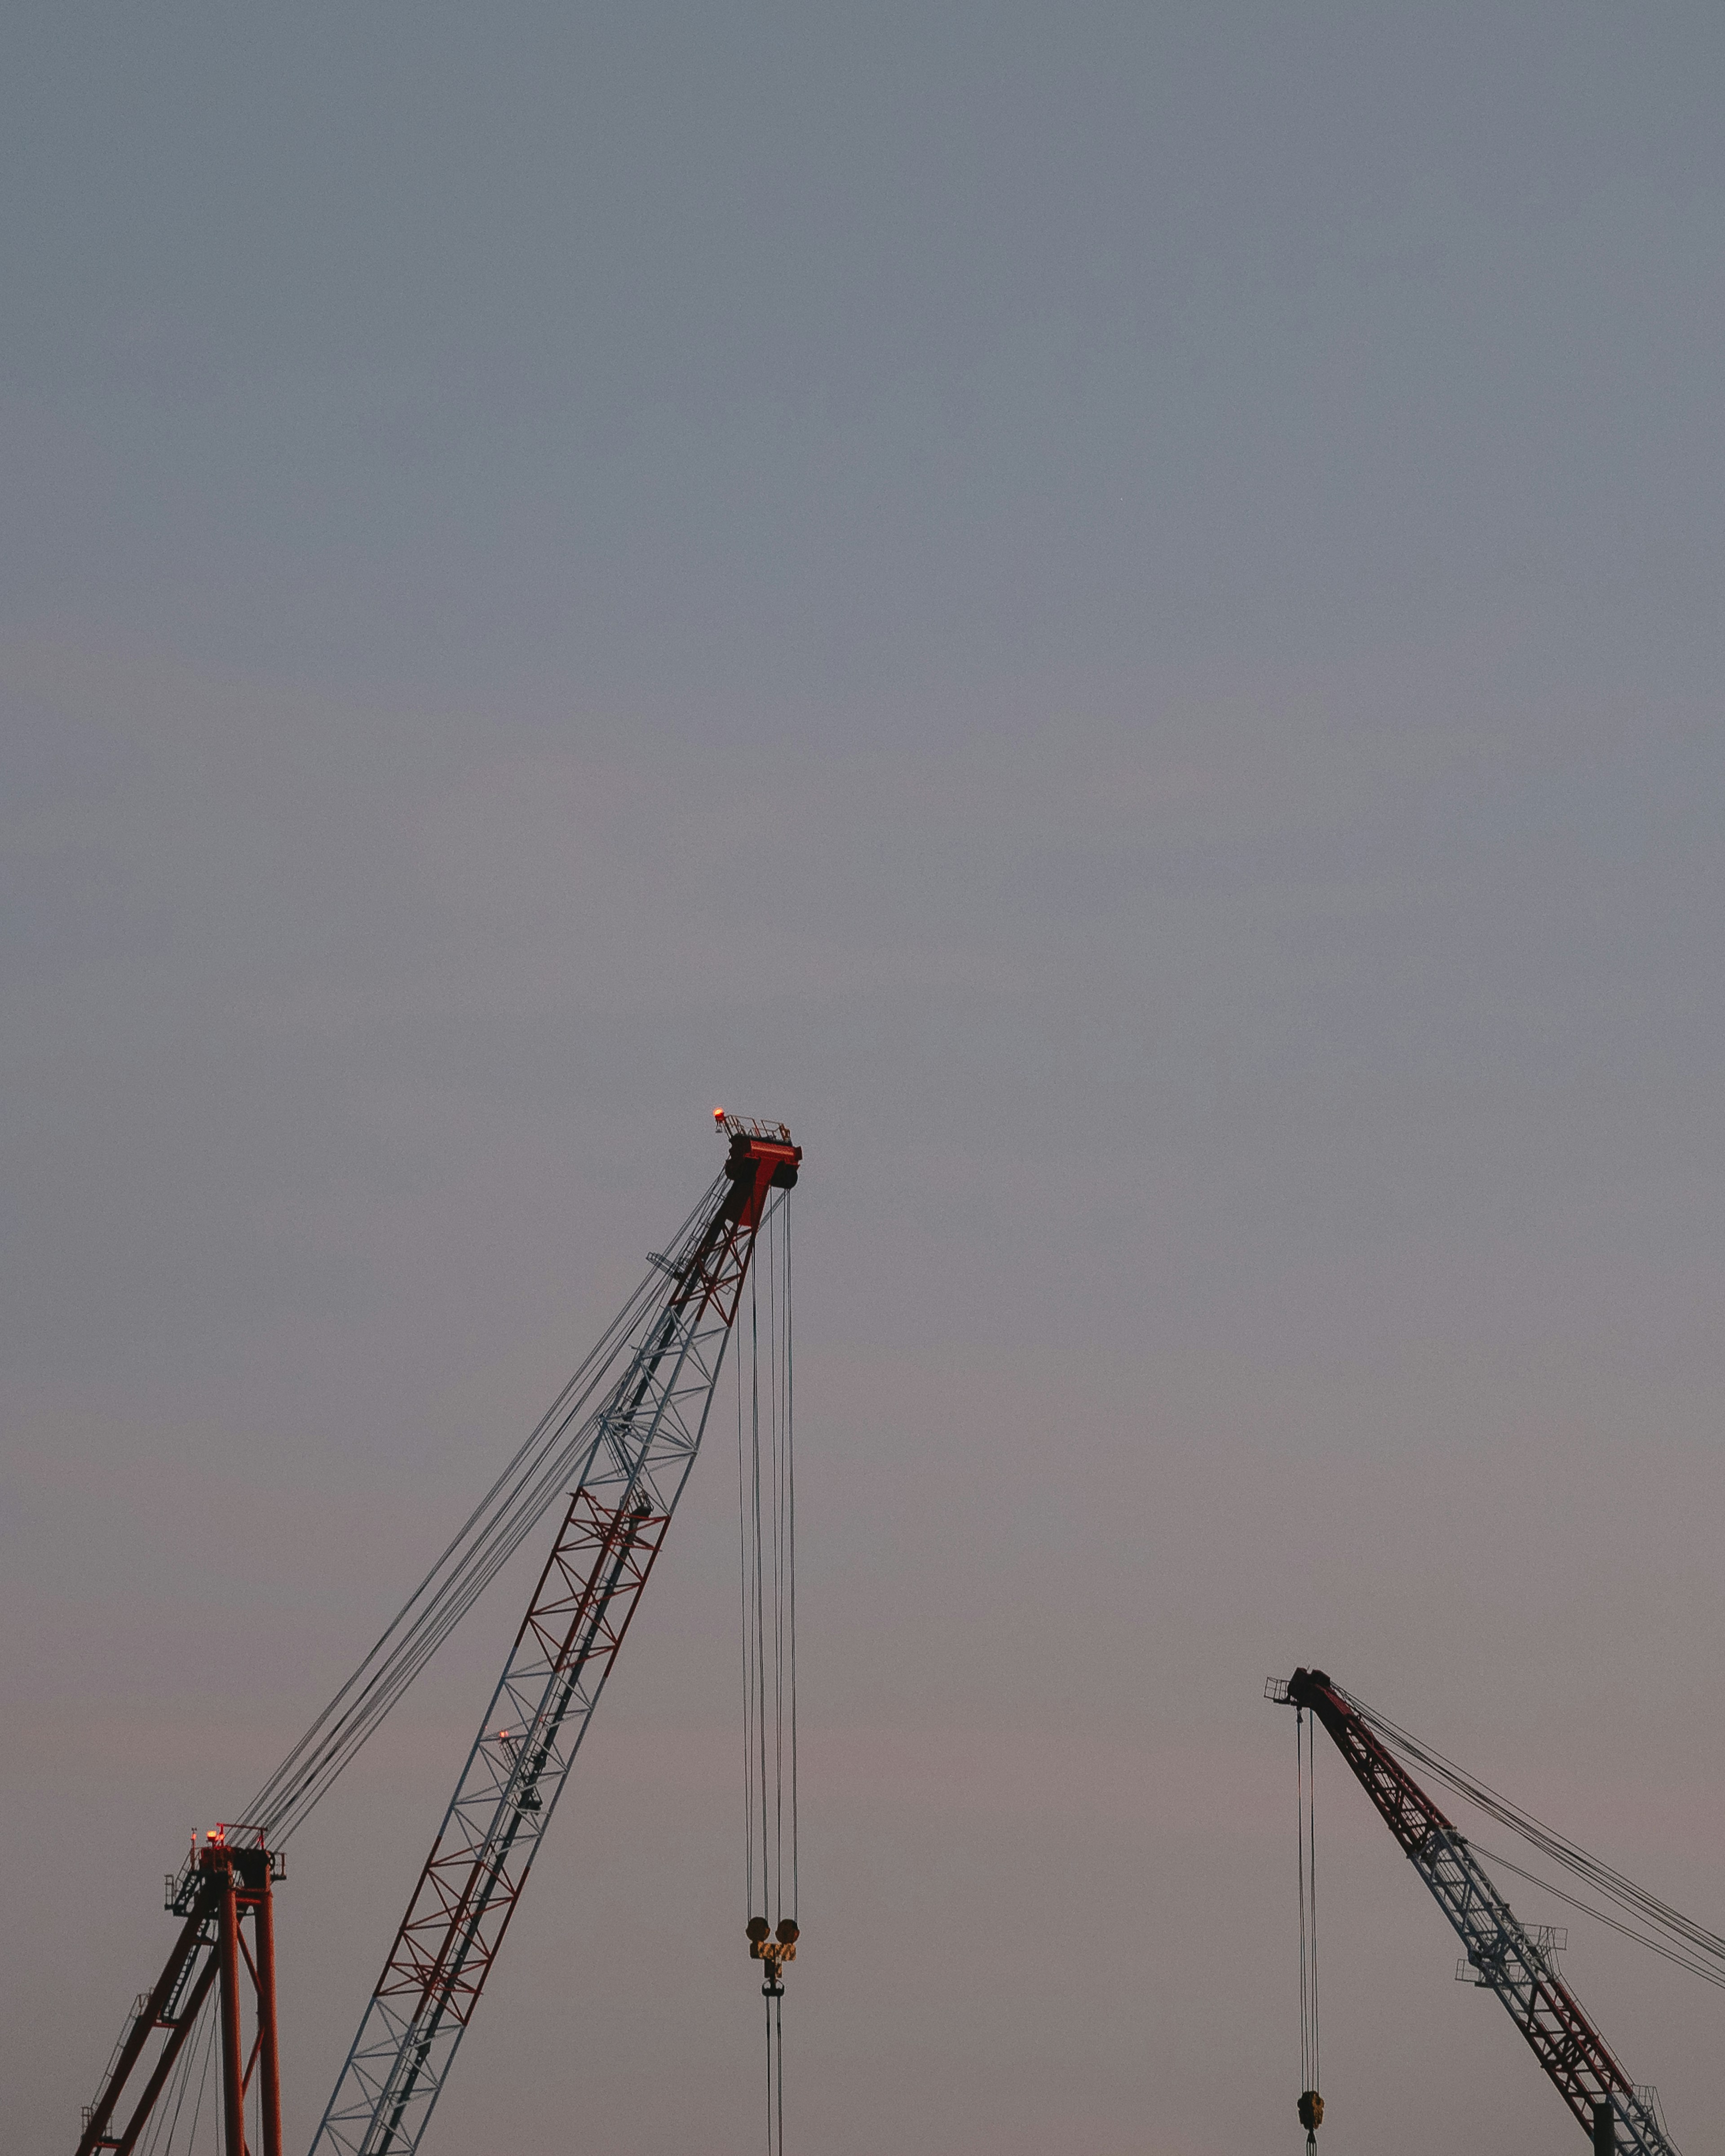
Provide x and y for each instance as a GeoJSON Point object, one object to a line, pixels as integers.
{"type": "Point", "coordinates": [1640, 1916]}
{"type": "Point", "coordinates": [554, 1457]}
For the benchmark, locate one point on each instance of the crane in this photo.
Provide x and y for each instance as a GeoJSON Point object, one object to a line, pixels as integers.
{"type": "Point", "coordinates": [644, 1440]}
{"type": "Point", "coordinates": [622, 1448]}
{"type": "Point", "coordinates": [1503, 1956]}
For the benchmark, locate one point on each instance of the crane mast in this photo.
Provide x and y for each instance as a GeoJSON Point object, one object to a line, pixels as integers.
{"type": "Point", "coordinates": [644, 1438]}
{"type": "Point", "coordinates": [1503, 1955]}
{"type": "Point", "coordinates": [221, 1884]}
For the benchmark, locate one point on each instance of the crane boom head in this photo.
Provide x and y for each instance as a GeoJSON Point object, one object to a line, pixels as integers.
{"type": "Point", "coordinates": [763, 1156]}
{"type": "Point", "coordinates": [1310, 1689]}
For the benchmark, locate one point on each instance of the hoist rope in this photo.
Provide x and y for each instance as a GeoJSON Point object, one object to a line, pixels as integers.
{"type": "Point", "coordinates": [744, 1573]}
{"type": "Point", "coordinates": [1690, 1944]}
{"type": "Point", "coordinates": [776, 2004]}
{"type": "Point", "coordinates": [760, 1569]}
{"type": "Point", "coordinates": [790, 1457]}
{"type": "Point", "coordinates": [784, 1552]}
{"type": "Point", "coordinates": [1305, 1758]}
{"type": "Point", "coordinates": [1299, 1859]}
{"type": "Point", "coordinates": [766, 1485]}
{"type": "Point", "coordinates": [538, 1474]}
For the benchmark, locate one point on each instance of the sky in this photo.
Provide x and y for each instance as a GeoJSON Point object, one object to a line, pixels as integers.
{"type": "Point", "coordinates": [1114, 611]}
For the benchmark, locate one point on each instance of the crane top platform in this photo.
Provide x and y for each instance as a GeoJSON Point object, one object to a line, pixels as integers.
{"type": "Point", "coordinates": [746, 1127]}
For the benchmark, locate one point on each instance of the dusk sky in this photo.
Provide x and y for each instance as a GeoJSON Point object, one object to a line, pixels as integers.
{"type": "Point", "coordinates": [1116, 611]}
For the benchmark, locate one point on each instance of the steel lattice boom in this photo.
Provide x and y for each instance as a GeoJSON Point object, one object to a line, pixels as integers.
{"type": "Point", "coordinates": [1502, 1954]}
{"type": "Point", "coordinates": [644, 1438]}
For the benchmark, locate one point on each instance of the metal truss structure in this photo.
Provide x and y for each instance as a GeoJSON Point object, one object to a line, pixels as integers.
{"type": "Point", "coordinates": [1500, 1953]}
{"type": "Point", "coordinates": [219, 1887]}
{"type": "Point", "coordinates": [644, 1436]}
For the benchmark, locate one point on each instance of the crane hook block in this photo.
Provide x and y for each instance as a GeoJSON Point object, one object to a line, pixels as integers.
{"type": "Point", "coordinates": [767, 1945]}
{"type": "Point", "coordinates": [1311, 2111]}
{"type": "Point", "coordinates": [775, 1949]}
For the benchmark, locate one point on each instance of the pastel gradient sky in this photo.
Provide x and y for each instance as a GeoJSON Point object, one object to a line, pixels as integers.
{"type": "Point", "coordinates": [1115, 610]}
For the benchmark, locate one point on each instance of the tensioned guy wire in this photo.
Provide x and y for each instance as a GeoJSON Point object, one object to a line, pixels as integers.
{"type": "Point", "coordinates": [1691, 1945]}
{"type": "Point", "coordinates": [1708, 1975]}
{"type": "Point", "coordinates": [557, 1450]}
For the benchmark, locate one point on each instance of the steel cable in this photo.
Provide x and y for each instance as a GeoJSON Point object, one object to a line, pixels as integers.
{"type": "Point", "coordinates": [767, 1548]}
{"type": "Point", "coordinates": [209, 2051]}
{"type": "Point", "coordinates": [748, 1659]}
{"type": "Point", "coordinates": [1300, 1860]}
{"type": "Point", "coordinates": [790, 1454]}
{"type": "Point", "coordinates": [779, 1584]}
{"type": "Point", "coordinates": [1616, 1923]}
{"type": "Point", "coordinates": [1305, 1840]}
{"type": "Point", "coordinates": [164, 2126]}
{"type": "Point", "coordinates": [760, 1574]}
{"type": "Point", "coordinates": [561, 1442]}
{"type": "Point", "coordinates": [1692, 1938]}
